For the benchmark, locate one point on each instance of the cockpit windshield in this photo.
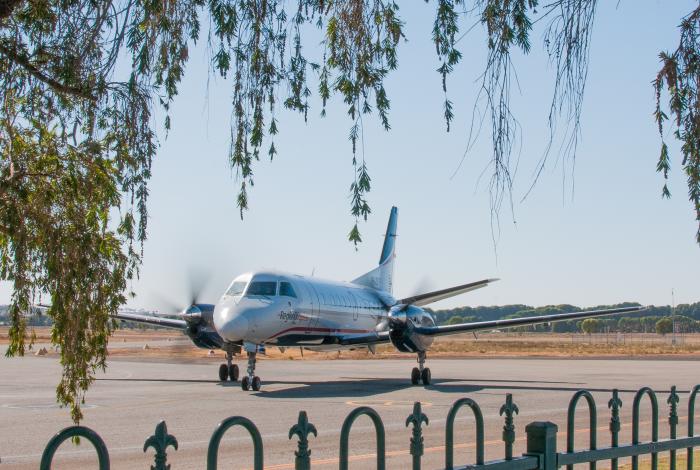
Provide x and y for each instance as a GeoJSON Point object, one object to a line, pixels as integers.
{"type": "Point", "coordinates": [237, 288]}
{"type": "Point", "coordinates": [268, 288]}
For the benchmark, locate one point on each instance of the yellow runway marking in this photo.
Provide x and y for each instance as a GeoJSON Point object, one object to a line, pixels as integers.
{"type": "Point", "coordinates": [426, 404]}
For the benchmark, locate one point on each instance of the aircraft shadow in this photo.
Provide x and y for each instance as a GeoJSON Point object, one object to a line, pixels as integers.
{"type": "Point", "coordinates": [367, 387]}
{"type": "Point", "coordinates": [203, 381]}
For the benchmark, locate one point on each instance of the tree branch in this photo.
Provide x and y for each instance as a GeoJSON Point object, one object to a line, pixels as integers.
{"type": "Point", "coordinates": [39, 75]}
{"type": "Point", "coordinates": [7, 7]}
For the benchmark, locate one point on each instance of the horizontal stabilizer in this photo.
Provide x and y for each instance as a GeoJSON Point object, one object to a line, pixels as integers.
{"type": "Point", "coordinates": [430, 297]}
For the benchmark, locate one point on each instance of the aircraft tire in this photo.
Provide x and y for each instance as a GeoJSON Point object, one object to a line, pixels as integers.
{"type": "Point", "coordinates": [245, 383]}
{"type": "Point", "coordinates": [233, 372]}
{"type": "Point", "coordinates": [425, 376]}
{"type": "Point", "coordinates": [256, 383]}
{"type": "Point", "coordinates": [223, 372]}
{"type": "Point", "coordinates": [415, 376]}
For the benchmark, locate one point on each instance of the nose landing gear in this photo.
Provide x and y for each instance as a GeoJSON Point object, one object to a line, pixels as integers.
{"type": "Point", "coordinates": [421, 373]}
{"type": "Point", "coordinates": [251, 380]}
{"type": "Point", "coordinates": [228, 370]}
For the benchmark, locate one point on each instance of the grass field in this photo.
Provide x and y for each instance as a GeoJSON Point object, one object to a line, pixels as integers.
{"type": "Point", "coordinates": [665, 462]}
{"type": "Point", "coordinates": [175, 344]}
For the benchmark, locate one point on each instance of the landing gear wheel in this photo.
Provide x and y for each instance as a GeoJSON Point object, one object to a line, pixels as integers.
{"type": "Point", "coordinates": [233, 372]}
{"type": "Point", "coordinates": [256, 383]}
{"type": "Point", "coordinates": [425, 376]}
{"type": "Point", "coordinates": [223, 372]}
{"type": "Point", "coordinates": [415, 376]}
{"type": "Point", "coordinates": [245, 383]}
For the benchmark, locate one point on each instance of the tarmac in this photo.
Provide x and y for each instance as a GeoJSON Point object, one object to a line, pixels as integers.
{"type": "Point", "coordinates": [125, 404]}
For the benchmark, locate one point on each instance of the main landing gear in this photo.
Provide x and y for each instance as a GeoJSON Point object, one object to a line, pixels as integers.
{"type": "Point", "coordinates": [228, 370]}
{"type": "Point", "coordinates": [420, 373]}
{"type": "Point", "coordinates": [251, 380]}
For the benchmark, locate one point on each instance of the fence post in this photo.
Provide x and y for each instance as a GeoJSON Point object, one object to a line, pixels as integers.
{"type": "Point", "coordinates": [345, 436]}
{"type": "Point", "coordinates": [302, 429]}
{"type": "Point", "coordinates": [215, 441]}
{"type": "Point", "coordinates": [615, 404]}
{"type": "Point", "coordinates": [691, 422]}
{"type": "Point", "coordinates": [75, 431]}
{"type": "Point", "coordinates": [417, 418]}
{"type": "Point", "coordinates": [160, 441]}
{"type": "Point", "coordinates": [542, 442]}
{"type": "Point", "coordinates": [509, 409]}
{"type": "Point", "coordinates": [673, 422]}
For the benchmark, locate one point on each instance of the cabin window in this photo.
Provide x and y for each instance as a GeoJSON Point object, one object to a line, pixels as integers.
{"type": "Point", "coordinates": [236, 288]}
{"type": "Point", "coordinates": [287, 290]}
{"type": "Point", "coordinates": [268, 288]}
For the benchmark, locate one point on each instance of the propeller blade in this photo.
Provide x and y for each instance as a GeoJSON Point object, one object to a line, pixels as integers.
{"type": "Point", "coordinates": [198, 281]}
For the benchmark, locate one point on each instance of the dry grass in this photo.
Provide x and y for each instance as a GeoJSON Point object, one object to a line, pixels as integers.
{"type": "Point", "coordinates": [172, 344]}
{"type": "Point", "coordinates": [665, 463]}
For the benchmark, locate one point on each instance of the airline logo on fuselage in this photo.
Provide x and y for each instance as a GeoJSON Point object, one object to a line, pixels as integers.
{"type": "Point", "coordinates": [291, 315]}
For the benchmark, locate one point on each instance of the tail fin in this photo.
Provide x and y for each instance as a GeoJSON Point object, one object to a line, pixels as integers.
{"type": "Point", "coordinates": [381, 277]}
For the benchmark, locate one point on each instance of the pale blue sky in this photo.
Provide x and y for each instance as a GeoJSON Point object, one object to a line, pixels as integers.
{"type": "Point", "coordinates": [615, 240]}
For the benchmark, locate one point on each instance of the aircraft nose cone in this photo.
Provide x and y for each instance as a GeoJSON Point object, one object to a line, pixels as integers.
{"type": "Point", "coordinates": [235, 328]}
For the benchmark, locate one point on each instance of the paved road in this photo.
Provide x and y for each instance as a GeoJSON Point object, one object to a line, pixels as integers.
{"type": "Point", "coordinates": [125, 404]}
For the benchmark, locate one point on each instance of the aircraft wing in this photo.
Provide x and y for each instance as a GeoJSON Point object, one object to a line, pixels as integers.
{"type": "Point", "coordinates": [430, 297]}
{"type": "Point", "coordinates": [365, 338]}
{"type": "Point", "coordinates": [152, 320]}
{"type": "Point", "coordinates": [514, 322]}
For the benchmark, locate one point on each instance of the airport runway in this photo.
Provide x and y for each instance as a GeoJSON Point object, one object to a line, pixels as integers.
{"type": "Point", "coordinates": [125, 404]}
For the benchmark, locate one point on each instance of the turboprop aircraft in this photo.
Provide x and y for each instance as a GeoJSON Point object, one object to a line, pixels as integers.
{"type": "Point", "coordinates": [270, 308]}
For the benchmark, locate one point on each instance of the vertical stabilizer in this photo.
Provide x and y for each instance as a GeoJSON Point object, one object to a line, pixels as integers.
{"type": "Point", "coordinates": [381, 277]}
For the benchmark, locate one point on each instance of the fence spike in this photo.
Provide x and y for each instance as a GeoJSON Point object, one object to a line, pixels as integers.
{"type": "Point", "coordinates": [160, 441]}
{"type": "Point", "coordinates": [509, 409]}
{"type": "Point", "coordinates": [302, 429]}
{"type": "Point", "coordinates": [417, 418]}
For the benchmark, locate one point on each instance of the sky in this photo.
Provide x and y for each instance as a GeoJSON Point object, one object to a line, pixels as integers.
{"type": "Point", "coordinates": [594, 233]}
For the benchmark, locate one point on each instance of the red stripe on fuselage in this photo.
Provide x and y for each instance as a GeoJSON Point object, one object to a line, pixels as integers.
{"type": "Point", "coordinates": [320, 330]}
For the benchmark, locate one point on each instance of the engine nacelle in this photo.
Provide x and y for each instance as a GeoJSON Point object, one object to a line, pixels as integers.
{"type": "Point", "coordinates": [200, 326]}
{"type": "Point", "coordinates": [403, 319]}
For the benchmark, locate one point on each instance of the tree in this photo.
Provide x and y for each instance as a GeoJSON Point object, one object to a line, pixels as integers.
{"type": "Point", "coordinates": [77, 136]}
{"type": "Point", "coordinates": [591, 325]}
{"type": "Point", "coordinates": [664, 326]}
{"type": "Point", "coordinates": [455, 319]}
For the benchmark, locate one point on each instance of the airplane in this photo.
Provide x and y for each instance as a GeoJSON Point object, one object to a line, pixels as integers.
{"type": "Point", "coordinates": [270, 308]}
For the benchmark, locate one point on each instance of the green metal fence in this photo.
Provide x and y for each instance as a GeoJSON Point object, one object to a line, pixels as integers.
{"type": "Point", "coordinates": [541, 451]}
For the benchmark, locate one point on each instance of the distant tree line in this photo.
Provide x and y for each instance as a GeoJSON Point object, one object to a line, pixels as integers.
{"type": "Point", "coordinates": [652, 320]}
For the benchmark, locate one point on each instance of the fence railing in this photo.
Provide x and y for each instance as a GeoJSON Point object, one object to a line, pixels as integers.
{"type": "Point", "coordinates": [541, 453]}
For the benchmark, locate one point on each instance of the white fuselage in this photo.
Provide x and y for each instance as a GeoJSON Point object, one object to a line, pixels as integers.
{"type": "Point", "coordinates": [261, 308]}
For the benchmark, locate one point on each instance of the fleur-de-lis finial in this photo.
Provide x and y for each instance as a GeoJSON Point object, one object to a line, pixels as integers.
{"type": "Point", "coordinates": [417, 418]}
{"type": "Point", "coordinates": [509, 408]}
{"type": "Point", "coordinates": [615, 404]}
{"type": "Point", "coordinates": [673, 400]}
{"type": "Point", "coordinates": [160, 441]}
{"type": "Point", "coordinates": [302, 429]}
